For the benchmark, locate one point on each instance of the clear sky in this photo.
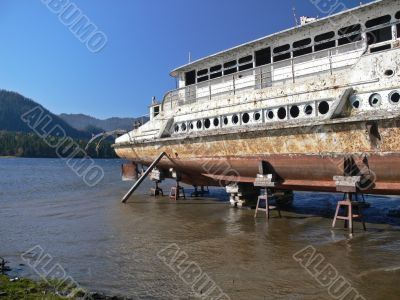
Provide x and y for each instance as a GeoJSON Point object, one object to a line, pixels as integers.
{"type": "Point", "coordinates": [41, 59]}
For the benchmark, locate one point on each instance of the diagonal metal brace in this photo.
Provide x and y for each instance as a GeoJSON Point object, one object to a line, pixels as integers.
{"type": "Point", "coordinates": [140, 180]}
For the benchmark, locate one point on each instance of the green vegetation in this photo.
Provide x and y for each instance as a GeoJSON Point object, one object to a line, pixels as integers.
{"type": "Point", "coordinates": [31, 145]}
{"type": "Point", "coordinates": [43, 290]}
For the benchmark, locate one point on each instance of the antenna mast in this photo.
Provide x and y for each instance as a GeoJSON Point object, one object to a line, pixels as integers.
{"type": "Point", "coordinates": [294, 15]}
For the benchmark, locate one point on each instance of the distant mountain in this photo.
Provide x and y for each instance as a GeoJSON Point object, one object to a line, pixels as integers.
{"type": "Point", "coordinates": [14, 105]}
{"type": "Point", "coordinates": [83, 122]}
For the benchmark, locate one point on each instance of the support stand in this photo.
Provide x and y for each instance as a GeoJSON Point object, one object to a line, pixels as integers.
{"type": "Point", "coordinates": [268, 207]}
{"type": "Point", "coordinates": [348, 186]}
{"type": "Point", "coordinates": [177, 192]}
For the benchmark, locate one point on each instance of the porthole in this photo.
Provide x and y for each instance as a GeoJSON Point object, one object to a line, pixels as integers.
{"type": "Point", "coordinates": [207, 123]}
{"type": "Point", "coordinates": [294, 111]}
{"type": "Point", "coordinates": [394, 97]}
{"type": "Point", "coordinates": [191, 125]}
{"type": "Point", "coordinates": [389, 73]}
{"type": "Point", "coordinates": [282, 113]}
{"type": "Point", "coordinates": [308, 110]}
{"type": "Point", "coordinates": [199, 124]}
{"type": "Point", "coordinates": [183, 127]}
{"type": "Point", "coordinates": [216, 122]}
{"type": "Point", "coordinates": [235, 119]}
{"type": "Point", "coordinates": [257, 116]}
{"type": "Point", "coordinates": [270, 115]}
{"type": "Point", "coordinates": [176, 128]}
{"type": "Point", "coordinates": [323, 107]}
{"type": "Point", "coordinates": [226, 121]}
{"type": "Point", "coordinates": [245, 118]}
{"type": "Point", "coordinates": [375, 100]}
{"type": "Point", "coordinates": [355, 101]}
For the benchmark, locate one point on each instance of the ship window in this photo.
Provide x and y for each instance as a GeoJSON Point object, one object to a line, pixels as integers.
{"type": "Point", "coordinates": [280, 49]}
{"type": "Point", "coordinates": [302, 43]}
{"type": "Point", "coordinates": [199, 124]}
{"type": "Point", "coordinates": [378, 21]}
{"type": "Point", "coordinates": [226, 121]}
{"type": "Point", "coordinates": [270, 115]}
{"type": "Point", "coordinates": [379, 35]}
{"type": "Point", "coordinates": [245, 118]}
{"type": "Point", "coordinates": [216, 122]}
{"type": "Point", "coordinates": [230, 67]}
{"type": "Point", "coordinates": [308, 110]}
{"type": "Point", "coordinates": [183, 127]}
{"type": "Point", "coordinates": [230, 64]}
{"type": "Point", "coordinates": [263, 57]}
{"type": "Point", "coordinates": [246, 67]}
{"type": "Point", "coordinates": [323, 37]}
{"type": "Point", "coordinates": [282, 113]}
{"type": "Point", "coordinates": [294, 111]}
{"type": "Point", "coordinates": [207, 123]}
{"type": "Point", "coordinates": [235, 119]}
{"type": "Point", "coordinates": [245, 59]}
{"type": "Point", "coordinates": [323, 107]}
{"type": "Point", "coordinates": [156, 111]}
{"type": "Point", "coordinates": [397, 16]}
{"type": "Point", "coordinates": [215, 68]}
{"type": "Point", "coordinates": [202, 79]}
{"type": "Point", "coordinates": [257, 116]}
{"type": "Point", "coordinates": [380, 48]}
{"type": "Point", "coordinates": [215, 75]}
{"type": "Point", "coordinates": [246, 63]}
{"type": "Point", "coordinates": [190, 77]}
{"type": "Point", "coordinates": [202, 72]}
{"type": "Point", "coordinates": [350, 38]}
{"type": "Point", "coordinates": [398, 30]}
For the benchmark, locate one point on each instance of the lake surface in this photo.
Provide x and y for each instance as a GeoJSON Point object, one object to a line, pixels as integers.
{"type": "Point", "coordinates": [116, 249]}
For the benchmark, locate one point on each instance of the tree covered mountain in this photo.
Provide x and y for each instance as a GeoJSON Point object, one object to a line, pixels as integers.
{"type": "Point", "coordinates": [83, 122]}
{"type": "Point", "coordinates": [13, 106]}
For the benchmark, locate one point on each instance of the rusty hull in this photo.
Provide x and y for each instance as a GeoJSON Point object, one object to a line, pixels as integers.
{"type": "Point", "coordinates": [304, 158]}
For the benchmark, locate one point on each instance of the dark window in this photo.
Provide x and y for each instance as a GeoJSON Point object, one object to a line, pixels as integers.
{"type": "Point", "coordinates": [215, 68]}
{"type": "Point", "coordinates": [230, 71]}
{"type": "Point", "coordinates": [381, 48]}
{"type": "Point", "coordinates": [156, 111]}
{"type": "Point", "coordinates": [282, 48]}
{"type": "Point", "coordinates": [245, 59]}
{"type": "Point", "coordinates": [349, 37]}
{"type": "Point", "coordinates": [202, 79]}
{"type": "Point", "coordinates": [302, 43]}
{"type": "Point", "coordinates": [281, 57]}
{"type": "Point", "coordinates": [215, 75]}
{"type": "Point", "coordinates": [325, 46]}
{"type": "Point", "coordinates": [263, 57]}
{"type": "Point", "coordinates": [230, 64]}
{"type": "Point", "coordinates": [398, 30]}
{"type": "Point", "coordinates": [230, 67]}
{"type": "Point", "coordinates": [324, 36]}
{"type": "Point", "coordinates": [214, 71]}
{"type": "Point", "coordinates": [397, 16]}
{"type": "Point", "coordinates": [379, 35]}
{"type": "Point", "coordinates": [246, 67]}
{"type": "Point", "coordinates": [378, 21]}
{"type": "Point", "coordinates": [190, 77]}
{"type": "Point", "coordinates": [202, 72]}
{"type": "Point", "coordinates": [303, 51]}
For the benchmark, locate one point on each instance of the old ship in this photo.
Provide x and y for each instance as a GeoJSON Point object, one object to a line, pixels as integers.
{"type": "Point", "coordinates": [313, 102]}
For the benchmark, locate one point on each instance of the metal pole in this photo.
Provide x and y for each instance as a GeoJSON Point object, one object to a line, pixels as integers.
{"type": "Point", "coordinates": [140, 180]}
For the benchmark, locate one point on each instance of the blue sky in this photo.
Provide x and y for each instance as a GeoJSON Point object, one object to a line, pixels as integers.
{"type": "Point", "coordinates": [41, 59]}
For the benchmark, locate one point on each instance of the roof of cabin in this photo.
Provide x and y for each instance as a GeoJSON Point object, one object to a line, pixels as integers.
{"type": "Point", "coordinates": [210, 58]}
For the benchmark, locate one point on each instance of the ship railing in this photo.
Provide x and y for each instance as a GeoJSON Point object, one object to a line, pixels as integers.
{"type": "Point", "coordinates": [274, 74]}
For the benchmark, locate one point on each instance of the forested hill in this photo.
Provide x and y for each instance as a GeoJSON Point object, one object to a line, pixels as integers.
{"type": "Point", "coordinates": [18, 139]}
{"type": "Point", "coordinates": [14, 105]}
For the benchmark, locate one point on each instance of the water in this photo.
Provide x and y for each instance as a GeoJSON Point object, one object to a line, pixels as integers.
{"type": "Point", "coordinates": [110, 247]}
